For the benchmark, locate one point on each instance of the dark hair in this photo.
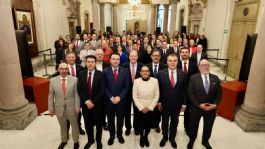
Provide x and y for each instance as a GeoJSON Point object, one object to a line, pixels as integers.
{"type": "Point", "coordinates": [184, 47]}
{"type": "Point", "coordinates": [173, 55]}
{"type": "Point", "coordinates": [155, 50]}
{"type": "Point", "coordinates": [114, 53]}
{"type": "Point", "coordinates": [145, 66]}
{"type": "Point", "coordinates": [91, 57]}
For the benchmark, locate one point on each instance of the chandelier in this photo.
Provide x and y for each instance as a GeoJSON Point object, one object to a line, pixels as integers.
{"type": "Point", "coordinates": [134, 2]}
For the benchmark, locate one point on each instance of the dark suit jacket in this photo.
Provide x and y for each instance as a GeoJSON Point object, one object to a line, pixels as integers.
{"type": "Point", "coordinates": [172, 98]}
{"type": "Point", "coordinates": [194, 57]}
{"type": "Point", "coordinates": [164, 56]}
{"type": "Point", "coordinates": [116, 88]}
{"type": "Point", "coordinates": [98, 89]}
{"type": "Point", "coordinates": [197, 93]}
{"type": "Point", "coordinates": [161, 66]}
{"type": "Point", "coordinates": [192, 69]}
{"type": "Point", "coordinates": [127, 67]}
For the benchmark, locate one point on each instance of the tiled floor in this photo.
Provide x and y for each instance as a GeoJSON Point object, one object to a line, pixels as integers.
{"type": "Point", "coordinates": [43, 133]}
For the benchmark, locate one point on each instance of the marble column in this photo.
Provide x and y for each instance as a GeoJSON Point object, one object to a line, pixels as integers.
{"type": "Point", "coordinates": [251, 115]}
{"type": "Point", "coordinates": [15, 110]}
{"type": "Point", "coordinates": [102, 17]}
{"type": "Point", "coordinates": [78, 13]}
{"type": "Point", "coordinates": [115, 19]}
{"type": "Point", "coordinates": [165, 20]}
{"type": "Point", "coordinates": [173, 18]}
{"type": "Point", "coordinates": [95, 15]}
{"type": "Point", "coordinates": [153, 19]}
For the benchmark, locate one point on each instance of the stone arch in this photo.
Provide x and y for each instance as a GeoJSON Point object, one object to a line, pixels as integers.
{"type": "Point", "coordinates": [181, 12]}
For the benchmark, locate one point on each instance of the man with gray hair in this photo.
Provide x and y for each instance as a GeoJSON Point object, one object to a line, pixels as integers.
{"type": "Point", "coordinates": [65, 103]}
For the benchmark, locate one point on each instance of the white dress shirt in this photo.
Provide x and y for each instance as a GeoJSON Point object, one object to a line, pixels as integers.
{"type": "Point", "coordinates": [203, 79]}
{"type": "Point", "coordinates": [156, 67]}
{"type": "Point", "coordinates": [199, 55]}
{"type": "Point", "coordinates": [70, 69]}
{"type": "Point", "coordinates": [187, 65]}
{"type": "Point", "coordinates": [99, 66]}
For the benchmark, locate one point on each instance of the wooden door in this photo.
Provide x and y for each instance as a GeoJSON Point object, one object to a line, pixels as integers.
{"type": "Point", "coordinates": [244, 22]}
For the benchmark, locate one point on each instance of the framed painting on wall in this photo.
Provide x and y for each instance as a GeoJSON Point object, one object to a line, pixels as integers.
{"type": "Point", "coordinates": [23, 20]}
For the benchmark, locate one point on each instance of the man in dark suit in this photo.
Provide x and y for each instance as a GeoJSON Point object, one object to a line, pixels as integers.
{"type": "Point", "coordinates": [91, 90]}
{"type": "Point", "coordinates": [101, 65]}
{"type": "Point", "coordinates": [172, 85]}
{"type": "Point", "coordinates": [205, 93]}
{"type": "Point", "coordinates": [117, 86]}
{"type": "Point", "coordinates": [155, 67]}
{"type": "Point", "coordinates": [165, 51]}
{"type": "Point", "coordinates": [133, 68]}
{"type": "Point", "coordinates": [199, 55]}
{"type": "Point", "coordinates": [116, 43]}
{"type": "Point", "coordinates": [190, 68]}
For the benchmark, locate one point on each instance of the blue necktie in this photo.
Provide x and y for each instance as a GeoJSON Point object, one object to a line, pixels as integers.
{"type": "Point", "coordinates": [155, 71]}
{"type": "Point", "coordinates": [206, 84]}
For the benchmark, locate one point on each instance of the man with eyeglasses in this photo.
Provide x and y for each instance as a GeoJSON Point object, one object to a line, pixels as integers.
{"type": "Point", "coordinates": [205, 93]}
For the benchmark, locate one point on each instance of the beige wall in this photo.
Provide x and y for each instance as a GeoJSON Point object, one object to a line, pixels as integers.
{"type": "Point", "coordinates": [85, 6]}
{"type": "Point", "coordinates": [51, 21]}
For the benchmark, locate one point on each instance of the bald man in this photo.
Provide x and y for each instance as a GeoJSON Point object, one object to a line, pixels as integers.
{"type": "Point", "coordinates": [65, 103]}
{"type": "Point", "coordinates": [205, 93]}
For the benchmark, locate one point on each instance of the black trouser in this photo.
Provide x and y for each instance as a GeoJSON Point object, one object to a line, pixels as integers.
{"type": "Point", "coordinates": [208, 121]}
{"type": "Point", "coordinates": [145, 122]}
{"type": "Point", "coordinates": [92, 118]}
{"type": "Point", "coordinates": [104, 115]}
{"type": "Point", "coordinates": [127, 113]}
{"type": "Point", "coordinates": [78, 121]}
{"type": "Point", "coordinates": [187, 119]}
{"type": "Point", "coordinates": [113, 110]}
{"type": "Point", "coordinates": [157, 117]}
{"type": "Point", "coordinates": [174, 119]}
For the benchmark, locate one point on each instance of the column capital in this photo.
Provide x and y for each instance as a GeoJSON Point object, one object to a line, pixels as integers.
{"type": "Point", "coordinates": [166, 6]}
{"type": "Point", "coordinates": [101, 4]}
{"type": "Point", "coordinates": [94, 1]}
{"type": "Point", "coordinates": [174, 1]}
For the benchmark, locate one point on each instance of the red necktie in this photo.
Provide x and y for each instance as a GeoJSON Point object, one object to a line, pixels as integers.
{"type": "Point", "coordinates": [185, 67]}
{"type": "Point", "coordinates": [89, 85]}
{"type": "Point", "coordinates": [63, 86]}
{"type": "Point", "coordinates": [76, 44]}
{"type": "Point", "coordinates": [132, 72]}
{"type": "Point", "coordinates": [73, 71]}
{"type": "Point", "coordinates": [115, 75]}
{"type": "Point", "coordinates": [172, 81]}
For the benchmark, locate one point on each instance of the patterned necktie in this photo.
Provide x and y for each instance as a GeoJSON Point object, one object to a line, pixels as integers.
{"type": "Point", "coordinates": [132, 72]}
{"type": "Point", "coordinates": [73, 71]}
{"type": "Point", "coordinates": [115, 75]}
{"type": "Point", "coordinates": [89, 85]}
{"type": "Point", "coordinates": [63, 86]}
{"type": "Point", "coordinates": [155, 71]}
{"type": "Point", "coordinates": [206, 84]}
{"type": "Point", "coordinates": [172, 80]}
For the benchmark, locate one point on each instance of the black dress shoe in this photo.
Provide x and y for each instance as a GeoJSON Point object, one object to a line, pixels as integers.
{"type": "Point", "coordinates": [128, 132]}
{"type": "Point", "coordinates": [99, 145]}
{"type": "Point", "coordinates": [158, 130]}
{"type": "Point", "coordinates": [110, 141]}
{"type": "Point", "coordinates": [105, 127]}
{"type": "Point", "coordinates": [207, 145]}
{"type": "Point", "coordinates": [61, 146]}
{"type": "Point", "coordinates": [190, 145]}
{"type": "Point", "coordinates": [76, 145]}
{"type": "Point", "coordinates": [163, 142]}
{"type": "Point", "coordinates": [121, 139]}
{"type": "Point", "coordinates": [136, 132]}
{"type": "Point", "coordinates": [141, 141]}
{"type": "Point", "coordinates": [146, 142]}
{"type": "Point", "coordinates": [81, 131]}
{"type": "Point", "coordinates": [88, 145]}
{"type": "Point", "coordinates": [173, 143]}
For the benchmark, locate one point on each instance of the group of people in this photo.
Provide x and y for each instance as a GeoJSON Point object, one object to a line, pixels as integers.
{"type": "Point", "coordinates": [159, 82]}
